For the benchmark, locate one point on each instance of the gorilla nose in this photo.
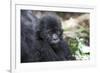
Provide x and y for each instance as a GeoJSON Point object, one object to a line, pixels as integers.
{"type": "Point", "coordinates": [55, 38]}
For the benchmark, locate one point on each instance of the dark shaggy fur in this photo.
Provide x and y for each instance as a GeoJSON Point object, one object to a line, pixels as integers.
{"type": "Point", "coordinates": [41, 39]}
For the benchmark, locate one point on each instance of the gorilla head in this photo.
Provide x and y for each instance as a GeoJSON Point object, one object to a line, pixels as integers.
{"type": "Point", "coordinates": [49, 29]}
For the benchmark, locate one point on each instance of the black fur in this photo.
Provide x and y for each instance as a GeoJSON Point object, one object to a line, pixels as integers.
{"type": "Point", "coordinates": [41, 39]}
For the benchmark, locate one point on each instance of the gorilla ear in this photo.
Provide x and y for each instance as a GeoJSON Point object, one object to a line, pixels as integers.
{"type": "Point", "coordinates": [38, 34]}
{"type": "Point", "coordinates": [39, 28]}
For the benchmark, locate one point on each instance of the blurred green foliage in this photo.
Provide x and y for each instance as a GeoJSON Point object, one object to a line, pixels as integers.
{"type": "Point", "coordinates": [78, 42]}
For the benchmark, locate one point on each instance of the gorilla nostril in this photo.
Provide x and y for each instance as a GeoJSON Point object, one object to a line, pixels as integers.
{"type": "Point", "coordinates": [55, 39]}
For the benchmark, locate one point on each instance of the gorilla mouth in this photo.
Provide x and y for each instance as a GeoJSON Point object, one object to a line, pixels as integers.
{"type": "Point", "coordinates": [55, 41]}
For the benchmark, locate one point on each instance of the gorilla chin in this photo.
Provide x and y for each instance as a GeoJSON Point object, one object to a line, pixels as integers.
{"type": "Point", "coordinates": [41, 39]}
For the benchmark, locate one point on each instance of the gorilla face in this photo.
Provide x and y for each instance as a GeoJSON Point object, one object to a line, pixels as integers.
{"type": "Point", "coordinates": [51, 36]}
{"type": "Point", "coordinates": [51, 29]}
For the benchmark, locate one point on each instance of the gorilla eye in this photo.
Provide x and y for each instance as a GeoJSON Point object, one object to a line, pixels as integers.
{"type": "Point", "coordinates": [49, 31]}
{"type": "Point", "coordinates": [60, 32]}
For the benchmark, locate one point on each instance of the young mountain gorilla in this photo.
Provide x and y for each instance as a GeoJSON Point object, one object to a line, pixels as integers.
{"type": "Point", "coordinates": [41, 39]}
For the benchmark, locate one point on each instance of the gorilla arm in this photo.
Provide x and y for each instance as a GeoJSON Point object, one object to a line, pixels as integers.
{"type": "Point", "coordinates": [47, 53]}
{"type": "Point", "coordinates": [63, 51]}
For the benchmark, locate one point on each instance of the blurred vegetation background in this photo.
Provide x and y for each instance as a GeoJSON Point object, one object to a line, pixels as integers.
{"type": "Point", "coordinates": [76, 26]}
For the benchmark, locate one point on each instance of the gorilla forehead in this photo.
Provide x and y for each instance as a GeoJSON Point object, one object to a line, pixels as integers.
{"type": "Point", "coordinates": [51, 21]}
